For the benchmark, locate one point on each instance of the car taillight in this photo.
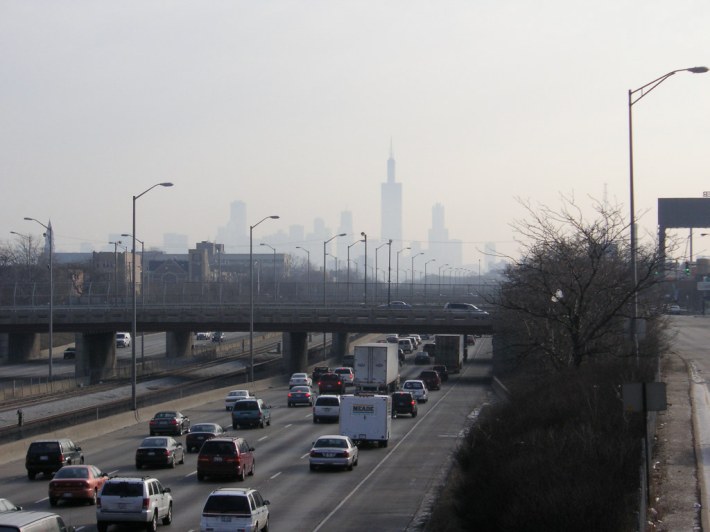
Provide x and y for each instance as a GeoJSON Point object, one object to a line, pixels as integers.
{"type": "Point", "coordinates": [289, 394]}
{"type": "Point", "coordinates": [146, 503]}
{"type": "Point", "coordinates": [308, 395]}
{"type": "Point", "coordinates": [167, 452]}
{"type": "Point", "coordinates": [173, 422]}
{"type": "Point", "coordinates": [346, 453]}
{"type": "Point", "coordinates": [61, 457]}
{"type": "Point", "coordinates": [98, 502]}
{"type": "Point", "coordinates": [413, 402]}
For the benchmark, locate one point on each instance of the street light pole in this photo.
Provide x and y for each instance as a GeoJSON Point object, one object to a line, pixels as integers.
{"type": "Point", "coordinates": [440, 267]}
{"type": "Point", "coordinates": [325, 244]}
{"type": "Point", "coordinates": [251, 294]}
{"type": "Point", "coordinates": [142, 243]}
{"type": "Point", "coordinates": [389, 272]}
{"type": "Point", "coordinates": [400, 251]}
{"type": "Point", "coordinates": [425, 282]}
{"type": "Point", "coordinates": [634, 97]}
{"type": "Point", "coordinates": [348, 259]}
{"type": "Point", "coordinates": [50, 238]}
{"type": "Point", "coordinates": [376, 268]}
{"type": "Point", "coordinates": [115, 271]}
{"type": "Point", "coordinates": [274, 249]}
{"type": "Point", "coordinates": [412, 279]}
{"type": "Point", "coordinates": [134, 320]}
{"type": "Point", "coordinates": [364, 237]}
{"type": "Point", "coordinates": [308, 270]}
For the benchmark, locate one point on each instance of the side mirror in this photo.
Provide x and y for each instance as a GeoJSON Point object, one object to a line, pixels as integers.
{"type": "Point", "coordinates": [267, 502]}
{"type": "Point", "coordinates": [252, 449]}
{"type": "Point", "coordinates": [179, 445]}
{"type": "Point", "coordinates": [166, 490]}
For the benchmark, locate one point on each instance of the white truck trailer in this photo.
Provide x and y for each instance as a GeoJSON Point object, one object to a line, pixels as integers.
{"type": "Point", "coordinates": [366, 418]}
{"type": "Point", "coordinates": [450, 350]}
{"type": "Point", "coordinates": [376, 367]}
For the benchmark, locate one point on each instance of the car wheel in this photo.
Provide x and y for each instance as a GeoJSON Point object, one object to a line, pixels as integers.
{"type": "Point", "coordinates": [182, 458]}
{"type": "Point", "coordinates": [241, 476]}
{"type": "Point", "coordinates": [200, 476]}
{"type": "Point", "coordinates": [266, 526]}
{"type": "Point", "coordinates": [234, 426]}
{"type": "Point", "coordinates": [349, 467]}
{"type": "Point", "coordinates": [315, 419]}
{"type": "Point", "coordinates": [31, 475]}
{"type": "Point", "coordinates": [414, 414]}
{"type": "Point", "coordinates": [312, 467]}
{"type": "Point", "coordinates": [139, 466]}
{"type": "Point", "coordinates": [152, 433]}
{"type": "Point", "coordinates": [169, 516]}
{"type": "Point", "coordinates": [253, 467]}
{"type": "Point", "coordinates": [172, 462]}
{"type": "Point", "coordinates": [52, 501]}
{"type": "Point", "coordinates": [268, 421]}
{"type": "Point", "coordinates": [152, 525]}
{"type": "Point", "coordinates": [92, 500]}
{"type": "Point", "coordinates": [262, 424]}
{"type": "Point", "coordinates": [101, 527]}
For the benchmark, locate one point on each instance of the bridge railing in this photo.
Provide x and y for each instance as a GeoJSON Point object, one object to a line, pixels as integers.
{"type": "Point", "coordinates": [107, 293]}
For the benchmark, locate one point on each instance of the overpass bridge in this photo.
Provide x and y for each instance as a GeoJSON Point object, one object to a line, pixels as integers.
{"type": "Point", "coordinates": [95, 326]}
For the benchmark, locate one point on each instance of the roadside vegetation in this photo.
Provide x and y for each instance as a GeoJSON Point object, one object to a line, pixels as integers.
{"type": "Point", "coordinates": [559, 452]}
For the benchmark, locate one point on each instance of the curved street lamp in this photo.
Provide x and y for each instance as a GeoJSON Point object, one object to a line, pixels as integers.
{"type": "Point", "coordinates": [308, 274]}
{"type": "Point", "coordinates": [251, 293]}
{"type": "Point", "coordinates": [134, 320]}
{"type": "Point", "coordinates": [412, 279]}
{"type": "Point", "coordinates": [397, 267]}
{"type": "Point", "coordinates": [325, 244]}
{"type": "Point", "coordinates": [378, 269]}
{"type": "Point", "coordinates": [274, 249]}
{"type": "Point", "coordinates": [348, 263]}
{"type": "Point", "coordinates": [50, 239]}
{"type": "Point", "coordinates": [425, 281]}
{"type": "Point", "coordinates": [364, 239]}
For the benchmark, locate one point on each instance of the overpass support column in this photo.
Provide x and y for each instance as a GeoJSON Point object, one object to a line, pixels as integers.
{"type": "Point", "coordinates": [96, 357]}
{"type": "Point", "coordinates": [339, 345]}
{"type": "Point", "coordinates": [295, 352]}
{"type": "Point", "coordinates": [22, 347]}
{"type": "Point", "coordinates": [178, 344]}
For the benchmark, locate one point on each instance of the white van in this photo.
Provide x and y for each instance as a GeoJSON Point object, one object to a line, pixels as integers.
{"type": "Point", "coordinates": [123, 339]}
{"type": "Point", "coordinates": [406, 345]}
{"type": "Point", "coordinates": [30, 521]}
{"type": "Point", "coordinates": [229, 509]}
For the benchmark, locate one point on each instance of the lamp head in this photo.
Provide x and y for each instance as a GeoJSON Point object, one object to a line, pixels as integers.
{"type": "Point", "coordinates": [274, 217]}
{"type": "Point", "coordinates": [698, 70]}
{"type": "Point", "coordinates": [166, 184]}
{"type": "Point", "coordinates": [343, 234]}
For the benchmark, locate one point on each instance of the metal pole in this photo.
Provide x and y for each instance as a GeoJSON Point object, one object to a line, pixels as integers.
{"type": "Point", "coordinates": [389, 272]}
{"type": "Point", "coordinates": [364, 298]}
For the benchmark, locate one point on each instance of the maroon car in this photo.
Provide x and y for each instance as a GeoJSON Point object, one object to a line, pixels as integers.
{"type": "Point", "coordinates": [331, 383]}
{"type": "Point", "coordinates": [431, 378]}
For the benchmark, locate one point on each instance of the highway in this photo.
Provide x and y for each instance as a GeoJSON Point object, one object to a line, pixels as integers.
{"type": "Point", "coordinates": [388, 491]}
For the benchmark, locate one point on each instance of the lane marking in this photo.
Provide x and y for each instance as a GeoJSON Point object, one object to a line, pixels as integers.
{"type": "Point", "coordinates": [305, 455]}
{"type": "Point", "coordinates": [274, 476]}
{"type": "Point", "coordinates": [263, 438]}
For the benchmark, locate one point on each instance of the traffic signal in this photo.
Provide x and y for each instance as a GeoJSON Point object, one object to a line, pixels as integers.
{"type": "Point", "coordinates": [687, 268]}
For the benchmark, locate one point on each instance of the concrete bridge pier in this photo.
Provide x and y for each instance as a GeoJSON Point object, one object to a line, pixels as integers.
{"type": "Point", "coordinates": [339, 345]}
{"type": "Point", "coordinates": [95, 356]}
{"type": "Point", "coordinates": [295, 352]}
{"type": "Point", "coordinates": [178, 344]}
{"type": "Point", "coordinates": [22, 347]}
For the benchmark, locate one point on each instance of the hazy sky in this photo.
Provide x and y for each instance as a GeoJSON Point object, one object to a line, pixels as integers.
{"type": "Point", "coordinates": [290, 106]}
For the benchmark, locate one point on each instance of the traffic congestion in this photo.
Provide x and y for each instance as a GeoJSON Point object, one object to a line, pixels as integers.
{"type": "Point", "coordinates": [259, 449]}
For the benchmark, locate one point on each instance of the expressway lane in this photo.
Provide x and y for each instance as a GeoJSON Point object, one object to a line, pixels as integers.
{"type": "Point", "coordinates": [385, 491]}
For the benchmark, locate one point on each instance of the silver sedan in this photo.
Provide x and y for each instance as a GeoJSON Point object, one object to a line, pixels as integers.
{"type": "Point", "coordinates": [333, 450]}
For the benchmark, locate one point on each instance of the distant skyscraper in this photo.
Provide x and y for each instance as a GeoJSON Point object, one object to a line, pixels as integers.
{"type": "Point", "coordinates": [234, 234]}
{"type": "Point", "coordinates": [441, 247]}
{"type": "Point", "coordinates": [391, 207]}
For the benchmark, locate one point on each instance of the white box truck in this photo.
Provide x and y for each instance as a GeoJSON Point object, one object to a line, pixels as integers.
{"type": "Point", "coordinates": [366, 418]}
{"type": "Point", "coordinates": [376, 367]}
{"type": "Point", "coordinates": [450, 350]}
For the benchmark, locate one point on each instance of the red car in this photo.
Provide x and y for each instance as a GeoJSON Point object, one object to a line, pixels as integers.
{"type": "Point", "coordinates": [431, 378]}
{"type": "Point", "coordinates": [76, 483]}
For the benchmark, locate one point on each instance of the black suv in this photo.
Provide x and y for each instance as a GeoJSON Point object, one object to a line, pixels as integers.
{"type": "Point", "coordinates": [404, 403]}
{"type": "Point", "coordinates": [331, 383]}
{"type": "Point", "coordinates": [49, 456]}
{"type": "Point", "coordinates": [318, 371]}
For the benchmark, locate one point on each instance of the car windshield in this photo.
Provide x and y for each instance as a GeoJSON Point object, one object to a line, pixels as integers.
{"type": "Point", "coordinates": [218, 447]}
{"type": "Point", "coordinates": [165, 415]}
{"type": "Point", "coordinates": [299, 376]}
{"type": "Point", "coordinates": [72, 472]}
{"type": "Point", "coordinates": [227, 504]}
{"type": "Point", "coordinates": [300, 389]}
{"type": "Point", "coordinates": [44, 447]}
{"type": "Point", "coordinates": [413, 385]}
{"type": "Point", "coordinates": [327, 401]}
{"type": "Point", "coordinates": [331, 442]}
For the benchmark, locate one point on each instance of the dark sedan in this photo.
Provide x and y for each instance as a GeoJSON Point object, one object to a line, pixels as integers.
{"type": "Point", "coordinates": [159, 451]}
{"type": "Point", "coordinates": [300, 395]}
{"type": "Point", "coordinates": [169, 422]}
{"type": "Point", "coordinates": [200, 433]}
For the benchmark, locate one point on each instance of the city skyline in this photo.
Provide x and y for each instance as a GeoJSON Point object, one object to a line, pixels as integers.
{"type": "Point", "coordinates": [290, 108]}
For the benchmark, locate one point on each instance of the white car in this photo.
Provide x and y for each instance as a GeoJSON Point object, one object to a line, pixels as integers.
{"type": "Point", "coordinates": [333, 450]}
{"type": "Point", "coordinates": [229, 509]}
{"type": "Point", "coordinates": [326, 408]}
{"type": "Point", "coordinates": [300, 379]}
{"type": "Point", "coordinates": [234, 396]}
{"type": "Point", "coordinates": [123, 339]}
{"type": "Point", "coordinates": [203, 335]}
{"type": "Point", "coordinates": [418, 390]}
{"type": "Point", "coordinates": [347, 375]}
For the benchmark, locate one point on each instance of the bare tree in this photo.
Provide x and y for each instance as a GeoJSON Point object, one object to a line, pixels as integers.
{"type": "Point", "coordinates": [568, 297]}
